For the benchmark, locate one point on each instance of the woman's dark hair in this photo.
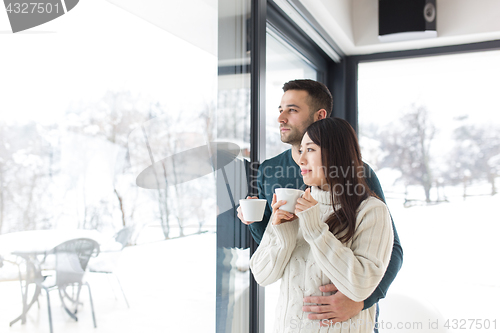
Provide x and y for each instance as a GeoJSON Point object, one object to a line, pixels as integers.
{"type": "Point", "coordinates": [344, 172]}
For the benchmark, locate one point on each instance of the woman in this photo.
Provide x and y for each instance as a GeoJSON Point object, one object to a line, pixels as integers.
{"type": "Point", "coordinates": [348, 244]}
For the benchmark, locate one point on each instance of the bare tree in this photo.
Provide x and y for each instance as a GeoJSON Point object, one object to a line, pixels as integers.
{"type": "Point", "coordinates": [475, 155]}
{"type": "Point", "coordinates": [25, 184]}
{"type": "Point", "coordinates": [408, 144]}
{"type": "Point", "coordinates": [112, 118]}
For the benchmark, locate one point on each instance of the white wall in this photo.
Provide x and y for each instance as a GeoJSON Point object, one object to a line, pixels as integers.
{"type": "Point", "coordinates": [354, 24]}
{"type": "Point", "coordinates": [336, 18]}
{"type": "Point", "coordinates": [461, 17]}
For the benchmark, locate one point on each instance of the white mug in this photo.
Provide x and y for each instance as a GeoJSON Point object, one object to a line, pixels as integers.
{"type": "Point", "coordinates": [290, 195]}
{"type": "Point", "coordinates": [253, 209]}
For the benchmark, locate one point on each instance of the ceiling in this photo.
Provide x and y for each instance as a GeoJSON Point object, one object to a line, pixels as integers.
{"type": "Point", "coordinates": [353, 24]}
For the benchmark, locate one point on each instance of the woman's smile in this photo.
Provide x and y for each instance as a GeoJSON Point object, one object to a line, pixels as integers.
{"type": "Point", "coordinates": [311, 166]}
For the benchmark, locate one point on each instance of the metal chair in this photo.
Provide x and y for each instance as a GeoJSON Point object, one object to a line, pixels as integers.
{"type": "Point", "coordinates": [71, 259]}
{"type": "Point", "coordinates": [124, 236]}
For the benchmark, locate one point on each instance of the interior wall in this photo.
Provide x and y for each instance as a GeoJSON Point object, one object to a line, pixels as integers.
{"type": "Point", "coordinates": [454, 18]}
{"type": "Point", "coordinates": [354, 24]}
{"type": "Point", "coordinates": [462, 17]}
{"type": "Point", "coordinates": [335, 17]}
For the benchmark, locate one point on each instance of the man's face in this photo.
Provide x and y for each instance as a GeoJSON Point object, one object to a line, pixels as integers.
{"type": "Point", "coordinates": [295, 116]}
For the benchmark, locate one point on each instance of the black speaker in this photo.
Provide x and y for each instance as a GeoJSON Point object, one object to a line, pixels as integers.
{"type": "Point", "coordinates": [406, 19]}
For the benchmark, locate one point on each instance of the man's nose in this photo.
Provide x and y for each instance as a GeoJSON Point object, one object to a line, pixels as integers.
{"type": "Point", "coordinates": [282, 118]}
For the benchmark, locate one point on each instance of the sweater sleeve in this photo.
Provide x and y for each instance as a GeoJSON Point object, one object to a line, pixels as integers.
{"type": "Point", "coordinates": [273, 254]}
{"type": "Point", "coordinates": [355, 271]}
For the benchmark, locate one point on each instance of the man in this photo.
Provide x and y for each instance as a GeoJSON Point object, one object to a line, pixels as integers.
{"type": "Point", "coordinates": [304, 102]}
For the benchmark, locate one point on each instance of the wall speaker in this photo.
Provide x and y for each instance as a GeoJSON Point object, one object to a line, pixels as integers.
{"type": "Point", "coordinates": [406, 19]}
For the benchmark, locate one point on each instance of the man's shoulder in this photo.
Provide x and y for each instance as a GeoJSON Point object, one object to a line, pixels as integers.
{"type": "Point", "coordinates": [281, 159]}
{"type": "Point", "coordinates": [368, 168]}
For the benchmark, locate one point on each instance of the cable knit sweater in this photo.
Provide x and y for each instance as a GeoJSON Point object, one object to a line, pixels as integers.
{"type": "Point", "coordinates": [306, 255]}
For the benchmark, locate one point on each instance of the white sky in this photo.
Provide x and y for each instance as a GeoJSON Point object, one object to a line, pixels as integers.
{"type": "Point", "coordinates": [449, 85]}
{"type": "Point", "coordinates": [94, 48]}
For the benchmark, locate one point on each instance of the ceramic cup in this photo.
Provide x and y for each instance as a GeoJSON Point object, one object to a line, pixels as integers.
{"type": "Point", "coordinates": [253, 209]}
{"type": "Point", "coordinates": [290, 195]}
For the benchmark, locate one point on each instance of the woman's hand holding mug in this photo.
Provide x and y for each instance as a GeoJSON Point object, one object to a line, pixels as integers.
{"type": "Point", "coordinates": [305, 202]}
{"type": "Point", "coordinates": [279, 215]}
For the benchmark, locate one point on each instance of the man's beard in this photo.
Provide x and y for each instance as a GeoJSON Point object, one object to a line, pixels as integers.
{"type": "Point", "coordinates": [293, 136]}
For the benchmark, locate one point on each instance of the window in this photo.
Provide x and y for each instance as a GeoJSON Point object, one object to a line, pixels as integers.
{"type": "Point", "coordinates": [283, 64]}
{"type": "Point", "coordinates": [428, 128]}
{"type": "Point", "coordinates": [79, 98]}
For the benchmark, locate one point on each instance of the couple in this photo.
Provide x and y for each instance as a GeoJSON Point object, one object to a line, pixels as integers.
{"type": "Point", "coordinates": [333, 259]}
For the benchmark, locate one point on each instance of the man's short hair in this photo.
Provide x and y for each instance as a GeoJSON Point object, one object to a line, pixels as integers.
{"type": "Point", "coordinates": [319, 95]}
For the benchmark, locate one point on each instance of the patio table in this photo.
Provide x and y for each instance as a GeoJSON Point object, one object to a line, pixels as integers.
{"type": "Point", "coordinates": [30, 245]}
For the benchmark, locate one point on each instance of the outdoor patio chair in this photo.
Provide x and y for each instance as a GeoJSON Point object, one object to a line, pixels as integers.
{"type": "Point", "coordinates": [110, 254]}
{"type": "Point", "coordinates": [71, 259]}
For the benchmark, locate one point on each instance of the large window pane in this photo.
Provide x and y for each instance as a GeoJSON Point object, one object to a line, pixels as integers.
{"type": "Point", "coordinates": [429, 127]}
{"type": "Point", "coordinates": [283, 64]}
{"type": "Point", "coordinates": [88, 102]}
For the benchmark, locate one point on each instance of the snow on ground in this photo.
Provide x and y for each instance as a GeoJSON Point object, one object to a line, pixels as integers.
{"type": "Point", "coordinates": [450, 261]}
{"type": "Point", "coordinates": [170, 286]}
{"type": "Point", "coordinates": [450, 256]}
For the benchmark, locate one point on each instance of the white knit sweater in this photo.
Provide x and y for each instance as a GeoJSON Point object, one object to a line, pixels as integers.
{"type": "Point", "coordinates": [306, 255]}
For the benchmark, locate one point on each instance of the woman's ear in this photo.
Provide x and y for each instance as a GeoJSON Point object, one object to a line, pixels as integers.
{"type": "Point", "coordinates": [320, 114]}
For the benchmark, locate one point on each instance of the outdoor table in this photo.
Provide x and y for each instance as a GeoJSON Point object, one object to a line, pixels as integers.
{"type": "Point", "coordinates": [30, 245]}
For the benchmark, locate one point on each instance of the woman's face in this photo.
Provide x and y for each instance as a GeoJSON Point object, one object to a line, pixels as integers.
{"type": "Point", "coordinates": [311, 167]}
